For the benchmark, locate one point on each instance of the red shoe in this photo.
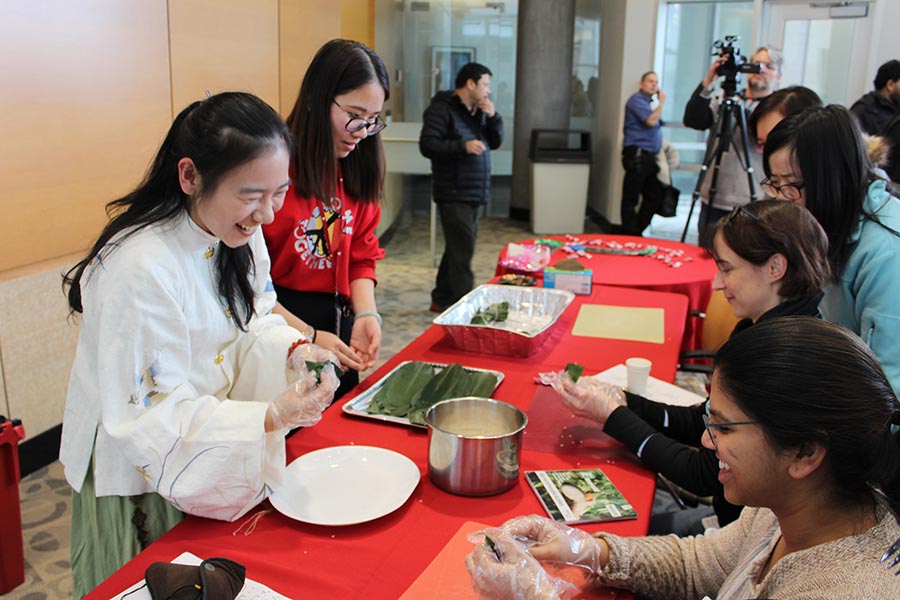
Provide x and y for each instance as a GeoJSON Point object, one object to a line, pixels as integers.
{"type": "Point", "coordinates": [435, 308]}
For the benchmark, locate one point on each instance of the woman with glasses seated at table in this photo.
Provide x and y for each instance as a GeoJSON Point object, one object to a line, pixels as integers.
{"type": "Point", "coordinates": [772, 259]}
{"type": "Point", "coordinates": [322, 243]}
{"type": "Point", "coordinates": [800, 416]}
{"type": "Point", "coordinates": [818, 159]}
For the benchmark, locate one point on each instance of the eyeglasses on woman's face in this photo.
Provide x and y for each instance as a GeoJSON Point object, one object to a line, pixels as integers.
{"type": "Point", "coordinates": [722, 426]}
{"type": "Point", "coordinates": [356, 122]}
{"type": "Point", "coordinates": [789, 191]}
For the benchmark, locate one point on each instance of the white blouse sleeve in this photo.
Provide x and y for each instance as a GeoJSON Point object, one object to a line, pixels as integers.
{"type": "Point", "coordinates": [207, 455]}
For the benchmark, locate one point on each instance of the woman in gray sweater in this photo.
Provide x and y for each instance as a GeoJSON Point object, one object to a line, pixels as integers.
{"type": "Point", "coordinates": [799, 416]}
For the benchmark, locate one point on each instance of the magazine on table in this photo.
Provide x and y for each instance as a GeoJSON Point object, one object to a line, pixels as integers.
{"type": "Point", "coordinates": [579, 496]}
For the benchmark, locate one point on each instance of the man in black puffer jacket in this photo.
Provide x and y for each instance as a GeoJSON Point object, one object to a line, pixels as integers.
{"type": "Point", "coordinates": [876, 109]}
{"type": "Point", "coordinates": [460, 128]}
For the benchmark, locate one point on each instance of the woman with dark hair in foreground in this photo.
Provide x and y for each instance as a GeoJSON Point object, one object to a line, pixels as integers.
{"type": "Point", "coordinates": [799, 417]}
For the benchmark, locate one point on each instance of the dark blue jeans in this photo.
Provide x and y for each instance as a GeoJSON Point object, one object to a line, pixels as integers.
{"type": "Point", "coordinates": [459, 222]}
{"type": "Point", "coordinates": [641, 190]}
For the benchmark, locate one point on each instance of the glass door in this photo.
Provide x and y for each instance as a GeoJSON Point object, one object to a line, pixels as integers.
{"type": "Point", "coordinates": [820, 51]}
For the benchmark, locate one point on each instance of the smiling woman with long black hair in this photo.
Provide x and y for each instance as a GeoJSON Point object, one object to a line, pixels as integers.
{"type": "Point", "coordinates": [799, 417]}
{"type": "Point", "coordinates": [180, 395]}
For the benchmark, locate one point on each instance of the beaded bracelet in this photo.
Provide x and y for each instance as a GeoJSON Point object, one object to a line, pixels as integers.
{"type": "Point", "coordinates": [370, 313]}
{"type": "Point", "coordinates": [299, 342]}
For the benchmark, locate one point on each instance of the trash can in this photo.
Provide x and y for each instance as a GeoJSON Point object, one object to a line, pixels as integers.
{"type": "Point", "coordinates": [560, 171]}
{"type": "Point", "coordinates": [12, 560]}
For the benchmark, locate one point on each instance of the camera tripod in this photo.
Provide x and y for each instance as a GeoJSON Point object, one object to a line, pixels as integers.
{"type": "Point", "coordinates": [731, 113]}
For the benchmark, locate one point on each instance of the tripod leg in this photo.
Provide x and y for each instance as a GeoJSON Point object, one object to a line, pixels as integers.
{"type": "Point", "coordinates": [745, 160]}
{"type": "Point", "coordinates": [721, 133]}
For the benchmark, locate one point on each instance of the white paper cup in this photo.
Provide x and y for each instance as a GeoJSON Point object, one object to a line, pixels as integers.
{"type": "Point", "coordinates": [638, 372]}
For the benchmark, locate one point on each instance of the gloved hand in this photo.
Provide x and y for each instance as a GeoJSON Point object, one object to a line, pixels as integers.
{"type": "Point", "coordinates": [301, 405]}
{"type": "Point", "coordinates": [588, 397]}
{"type": "Point", "coordinates": [297, 359]}
{"type": "Point", "coordinates": [518, 576]}
{"type": "Point", "coordinates": [560, 543]}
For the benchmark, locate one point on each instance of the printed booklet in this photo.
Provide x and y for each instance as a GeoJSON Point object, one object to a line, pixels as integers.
{"type": "Point", "coordinates": [579, 496]}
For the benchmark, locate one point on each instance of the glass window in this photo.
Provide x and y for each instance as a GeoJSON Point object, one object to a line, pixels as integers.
{"type": "Point", "coordinates": [585, 63]}
{"type": "Point", "coordinates": [817, 54]}
{"type": "Point", "coordinates": [689, 30]}
{"type": "Point", "coordinates": [436, 38]}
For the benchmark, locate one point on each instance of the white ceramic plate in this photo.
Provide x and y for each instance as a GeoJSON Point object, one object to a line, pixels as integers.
{"type": "Point", "coordinates": [344, 485]}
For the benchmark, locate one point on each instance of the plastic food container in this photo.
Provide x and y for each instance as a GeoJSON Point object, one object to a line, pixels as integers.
{"type": "Point", "coordinates": [533, 312]}
{"type": "Point", "coordinates": [474, 445]}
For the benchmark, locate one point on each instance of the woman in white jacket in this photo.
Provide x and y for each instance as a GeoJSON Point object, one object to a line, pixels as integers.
{"type": "Point", "coordinates": [182, 391]}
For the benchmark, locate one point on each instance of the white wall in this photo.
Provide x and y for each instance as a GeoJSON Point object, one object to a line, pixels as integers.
{"type": "Point", "coordinates": [627, 42]}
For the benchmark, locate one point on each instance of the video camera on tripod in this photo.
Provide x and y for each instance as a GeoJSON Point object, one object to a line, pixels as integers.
{"type": "Point", "coordinates": [734, 65]}
{"type": "Point", "coordinates": [731, 117]}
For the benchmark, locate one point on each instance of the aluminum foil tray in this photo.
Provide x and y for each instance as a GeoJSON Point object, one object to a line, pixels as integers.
{"type": "Point", "coordinates": [533, 312]}
{"type": "Point", "coordinates": [359, 406]}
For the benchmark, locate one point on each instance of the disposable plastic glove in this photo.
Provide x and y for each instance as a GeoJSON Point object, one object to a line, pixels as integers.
{"type": "Point", "coordinates": [555, 542]}
{"type": "Point", "coordinates": [518, 576]}
{"type": "Point", "coordinates": [588, 397]}
{"type": "Point", "coordinates": [299, 356]}
{"type": "Point", "coordinates": [301, 405]}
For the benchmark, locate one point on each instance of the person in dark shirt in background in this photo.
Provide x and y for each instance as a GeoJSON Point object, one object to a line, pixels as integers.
{"type": "Point", "coordinates": [460, 128]}
{"type": "Point", "coordinates": [875, 110]}
{"type": "Point", "coordinates": [643, 140]}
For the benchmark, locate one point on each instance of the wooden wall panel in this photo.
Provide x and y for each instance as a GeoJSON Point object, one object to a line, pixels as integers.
{"type": "Point", "coordinates": [84, 102]}
{"type": "Point", "coordinates": [304, 26]}
{"type": "Point", "coordinates": [358, 21]}
{"type": "Point", "coordinates": [223, 45]}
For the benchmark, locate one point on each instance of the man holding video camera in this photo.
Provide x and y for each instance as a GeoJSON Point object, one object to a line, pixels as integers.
{"type": "Point", "coordinates": [732, 186]}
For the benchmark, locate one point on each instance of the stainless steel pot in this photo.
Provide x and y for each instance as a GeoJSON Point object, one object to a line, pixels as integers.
{"type": "Point", "coordinates": [474, 445]}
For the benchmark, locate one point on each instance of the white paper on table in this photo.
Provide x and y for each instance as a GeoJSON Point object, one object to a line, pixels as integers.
{"type": "Point", "coordinates": [657, 389]}
{"type": "Point", "coordinates": [252, 590]}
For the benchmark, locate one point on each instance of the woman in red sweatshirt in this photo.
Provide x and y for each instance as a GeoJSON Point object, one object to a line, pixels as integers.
{"type": "Point", "coordinates": [322, 243]}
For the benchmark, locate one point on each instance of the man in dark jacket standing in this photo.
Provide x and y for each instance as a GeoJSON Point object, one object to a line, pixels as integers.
{"type": "Point", "coordinates": [876, 109]}
{"type": "Point", "coordinates": [460, 128]}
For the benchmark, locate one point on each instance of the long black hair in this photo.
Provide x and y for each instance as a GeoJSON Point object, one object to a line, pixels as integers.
{"type": "Point", "coordinates": [806, 380]}
{"type": "Point", "coordinates": [219, 134]}
{"type": "Point", "coordinates": [340, 66]}
{"type": "Point", "coordinates": [829, 150]}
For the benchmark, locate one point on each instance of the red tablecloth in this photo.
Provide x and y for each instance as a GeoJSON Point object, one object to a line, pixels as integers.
{"type": "Point", "coordinates": [693, 277]}
{"type": "Point", "coordinates": [380, 559]}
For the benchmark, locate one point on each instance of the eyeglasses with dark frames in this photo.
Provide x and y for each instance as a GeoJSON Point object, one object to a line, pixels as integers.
{"type": "Point", "coordinates": [356, 122]}
{"type": "Point", "coordinates": [790, 191]}
{"type": "Point", "coordinates": [710, 427]}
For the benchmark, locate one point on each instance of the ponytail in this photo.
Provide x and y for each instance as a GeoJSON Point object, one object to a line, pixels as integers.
{"type": "Point", "coordinates": [219, 134]}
